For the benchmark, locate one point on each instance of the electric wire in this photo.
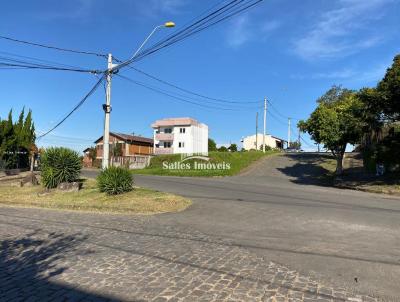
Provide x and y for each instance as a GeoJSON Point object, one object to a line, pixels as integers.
{"type": "Point", "coordinates": [52, 47]}
{"type": "Point", "coordinates": [79, 104]}
{"type": "Point", "coordinates": [191, 92]}
{"type": "Point", "coordinates": [40, 60]}
{"type": "Point", "coordinates": [5, 62]}
{"type": "Point", "coordinates": [194, 28]}
{"type": "Point", "coordinates": [169, 94]}
{"type": "Point", "coordinates": [191, 33]}
{"type": "Point", "coordinates": [22, 66]}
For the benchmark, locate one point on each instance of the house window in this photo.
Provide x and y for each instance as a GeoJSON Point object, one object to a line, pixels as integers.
{"type": "Point", "coordinates": [168, 130]}
{"type": "Point", "coordinates": [182, 130]}
{"type": "Point", "coordinates": [181, 145]}
{"type": "Point", "coordinates": [167, 144]}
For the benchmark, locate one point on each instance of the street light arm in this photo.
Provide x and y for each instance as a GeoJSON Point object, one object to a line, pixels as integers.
{"type": "Point", "coordinates": [137, 51]}
{"type": "Point", "coordinates": [145, 41]}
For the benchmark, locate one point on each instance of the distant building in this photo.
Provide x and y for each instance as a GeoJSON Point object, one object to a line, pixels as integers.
{"type": "Point", "coordinates": [125, 145]}
{"type": "Point", "coordinates": [126, 150]}
{"type": "Point", "coordinates": [180, 135]}
{"type": "Point", "coordinates": [87, 161]}
{"type": "Point", "coordinates": [255, 142]}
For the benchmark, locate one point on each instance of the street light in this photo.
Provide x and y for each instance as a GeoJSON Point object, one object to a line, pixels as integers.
{"type": "Point", "coordinates": [168, 24]}
{"type": "Point", "coordinates": [112, 68]}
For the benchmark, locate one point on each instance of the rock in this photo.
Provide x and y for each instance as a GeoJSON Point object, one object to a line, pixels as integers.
{"type": "Point", "coordinates": [29, 180]}
{"type": "Point", "coordinates": [69, 186]}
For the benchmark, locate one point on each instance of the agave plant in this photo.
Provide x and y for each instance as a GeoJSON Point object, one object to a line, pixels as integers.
{"type": "Point", "coordinates": [59, 165]}
{"type": "Point", "coordinates": [115, 180]}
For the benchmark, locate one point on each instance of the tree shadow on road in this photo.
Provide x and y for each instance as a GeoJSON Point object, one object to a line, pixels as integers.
{"type": "Point", "coordinates": [28, 264]}
{"type": "Point", "coordinates": [310, 169]}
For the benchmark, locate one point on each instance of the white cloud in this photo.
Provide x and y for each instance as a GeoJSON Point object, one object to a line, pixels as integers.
{"type": "Point", "coordinates": [348, 75]}
{"type": "Point", "coordinates": [168, 6]}
{"type": "Point", "coordinates": [80, 10]}
{"type": "Point", "coordinates": [270, 26]}
{"type": "Point", "coordinates": [342, 31]}
{"type": "Point", "coordinates": [244, 29]}
{"type": "Point", "coordinates": [239, 32]}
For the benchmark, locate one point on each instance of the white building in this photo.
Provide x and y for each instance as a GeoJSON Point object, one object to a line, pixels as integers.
{"type": "Point", "coordinates": [256, 141]}
{"type": "Point", "coordinates": [180, 135]}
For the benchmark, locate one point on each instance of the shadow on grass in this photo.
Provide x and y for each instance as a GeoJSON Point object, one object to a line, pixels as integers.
{"type": "Point", "coordinates": [318, 169]}
{"type": "Point", "coordinates": [28, 264]}
{"type": "Point", "coordinates": [309, 169]}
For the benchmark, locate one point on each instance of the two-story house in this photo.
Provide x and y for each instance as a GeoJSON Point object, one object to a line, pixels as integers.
{"type": "Point", "coordinates": [180, 136]}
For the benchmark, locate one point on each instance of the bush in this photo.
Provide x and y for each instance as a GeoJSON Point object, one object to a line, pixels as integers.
{"type": "Point", "coordinates": [115, 180]}
{"type": "Point", "coordinates": [59, 165]}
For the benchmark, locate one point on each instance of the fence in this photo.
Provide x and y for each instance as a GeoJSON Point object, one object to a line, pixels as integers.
{"type": "Point", "coordinates": [131, 162]}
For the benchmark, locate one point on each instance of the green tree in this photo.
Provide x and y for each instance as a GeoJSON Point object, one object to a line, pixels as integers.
{"type": "Point", "coordinates": [233, 148]}
{"type": "Point", "coordinates": [16, 140]}
{"type": "Point", "coordinates": [295, 145]}
{"type": "Point", "coordinates": [222, 149]}
{"type": "Point", "coordinates": [381, 116]}
{"type": "Point", "coordinates": [212, 146]}
{"type": "Point", "coordinates": [389, 92]}
{"type": "Point", "coordinates": [335, 122]}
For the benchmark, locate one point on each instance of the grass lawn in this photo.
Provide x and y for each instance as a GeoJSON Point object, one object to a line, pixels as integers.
{"type": "Point", "coordinates": [237, 161]}
{"type": "Point", "coordinates": [138, 201]}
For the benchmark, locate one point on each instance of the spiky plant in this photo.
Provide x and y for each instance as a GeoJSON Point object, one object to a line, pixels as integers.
{"type": "Point", "coordinates": [59, 165]}
{"type": "Point", "coordinates": [115, 180]}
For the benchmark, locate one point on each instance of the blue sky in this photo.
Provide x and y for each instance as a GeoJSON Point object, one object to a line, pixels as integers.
{"type": "Point", "coordinates": [289, 51]}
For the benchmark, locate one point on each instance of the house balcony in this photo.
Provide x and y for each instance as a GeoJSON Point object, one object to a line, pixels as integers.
{"type": "Point", "coordinates": [159, 151]}
{"type": "Point", "coordinates": [164, 136]}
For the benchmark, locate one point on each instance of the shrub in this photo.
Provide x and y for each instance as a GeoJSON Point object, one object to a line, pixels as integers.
{"type": "Point", "coordinates": [59, 165]}
{"type": "Point", "coordinates": [115, 180]}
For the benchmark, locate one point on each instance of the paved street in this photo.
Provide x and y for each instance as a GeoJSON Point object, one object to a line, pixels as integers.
{"type": "Point", "coordinates": [271, 234]}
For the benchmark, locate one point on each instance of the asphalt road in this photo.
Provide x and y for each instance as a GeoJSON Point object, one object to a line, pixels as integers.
{"type": "Point", "coordinates": [279, 210]}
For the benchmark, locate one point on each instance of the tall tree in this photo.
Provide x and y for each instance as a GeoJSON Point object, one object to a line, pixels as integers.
{"type": "Point", "coordinates": [389, 90]}
{"type": "Point", "coordinates": [17, 139]}
{"type": "Point", "coordinates": [233, 148]}
{"type": "Point", "coordinates": [334, 122]}
{"type": "Point", "coordinates": [212, 146]}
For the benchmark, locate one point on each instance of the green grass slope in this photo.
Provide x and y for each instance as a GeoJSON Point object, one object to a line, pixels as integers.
{"type": "Point", "coordinates": [236, 160]}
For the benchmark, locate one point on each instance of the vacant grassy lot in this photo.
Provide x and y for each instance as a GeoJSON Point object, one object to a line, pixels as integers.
{"type": "Point", "coordinates": [236, 160]}
{"type": "Point", "coordinates": [138, 201]}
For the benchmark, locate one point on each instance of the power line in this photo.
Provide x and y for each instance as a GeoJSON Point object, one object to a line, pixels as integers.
{"type": "Point", "coordinates": [40, 60]}
{"type": "Point", "coordinates": [68, 138]}
{"type": "Point", "coordinates": [279, 113]}
{"type": "Point", "coordinates": [52, 47]}
{"type": "Point", "coordinates": [191, 92]}
{"type": "Point", "coordinates": [22, 66]}
{"type": "Point", "coordinates": [196, 27]}
{"type": "Point", "coordinates": [308, 144]}
{"type": "Point", "coordinates": [31, 65]}
{"type": "Point", "coordinates": [80, 103]}
{"type": "Point", "coordinates": [170, 94]}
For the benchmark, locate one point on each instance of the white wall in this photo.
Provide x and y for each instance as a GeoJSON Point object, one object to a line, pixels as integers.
{"type": "Point", "coordinates": [249, 142]}
{"type": "Point", "coordinates": [195, 139]}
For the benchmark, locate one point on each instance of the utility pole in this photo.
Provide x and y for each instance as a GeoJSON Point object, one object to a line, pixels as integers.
{"type": "Point", "coordinates": [265, 122]}
{"type": "Point", "coordinates": [288, 132]}
{"type": "Point", "coordinates": [107, 111]}
{"type": "Point", "coordinates": [256, 130]}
